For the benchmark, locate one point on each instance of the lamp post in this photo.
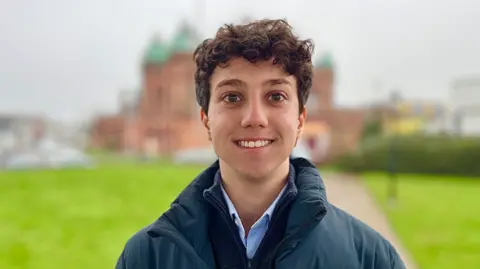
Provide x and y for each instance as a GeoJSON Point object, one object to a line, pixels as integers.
{"type": "Point", "coordinates": [392, 186]}
{"type": "Point", "coordinates": [392, 191]}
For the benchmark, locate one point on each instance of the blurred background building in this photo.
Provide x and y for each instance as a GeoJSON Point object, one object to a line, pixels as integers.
{"type": "Point", "coordinates": [161, 117]}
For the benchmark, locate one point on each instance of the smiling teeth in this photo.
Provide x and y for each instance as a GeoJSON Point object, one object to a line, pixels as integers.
{"type": "Point", "coordinates": [254, 144]}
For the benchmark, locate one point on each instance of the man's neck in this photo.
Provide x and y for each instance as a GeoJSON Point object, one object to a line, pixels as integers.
{"type": "Point", "coordinates": [252, 197]}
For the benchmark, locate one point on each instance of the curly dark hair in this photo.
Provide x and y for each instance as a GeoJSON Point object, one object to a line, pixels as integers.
{"type": "Point", "coordinates": [255, 41]}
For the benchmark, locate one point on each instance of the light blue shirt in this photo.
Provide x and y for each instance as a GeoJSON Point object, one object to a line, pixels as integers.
{"type": "Point", "coordinates": [258, 229]}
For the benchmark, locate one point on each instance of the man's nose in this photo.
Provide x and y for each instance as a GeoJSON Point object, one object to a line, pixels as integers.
{"type": "Point", "coordinates": [255, 114]}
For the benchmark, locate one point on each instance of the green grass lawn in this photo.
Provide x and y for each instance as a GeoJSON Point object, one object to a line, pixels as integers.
{"type": "Point", "coordinates": [81, 218]}
{"type": "Point", "coordinates": [437, 218]}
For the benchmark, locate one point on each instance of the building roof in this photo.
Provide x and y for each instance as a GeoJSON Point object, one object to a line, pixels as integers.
{"type": "Point", "coordinates": [185, 38]}
{"type": "Point", "coordinates": [157, 51]}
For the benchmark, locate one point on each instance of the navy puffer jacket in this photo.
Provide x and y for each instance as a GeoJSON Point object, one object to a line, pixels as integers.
{"type": "Point", "coordinates": [317, 235]}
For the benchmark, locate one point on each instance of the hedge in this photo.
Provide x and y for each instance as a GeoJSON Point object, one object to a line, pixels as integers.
{"type": "Point", "coordinates": [420, 154]}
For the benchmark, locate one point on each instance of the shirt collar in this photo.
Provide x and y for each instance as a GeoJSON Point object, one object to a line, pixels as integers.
{"type": "Point", "coordinates": [269, 212]}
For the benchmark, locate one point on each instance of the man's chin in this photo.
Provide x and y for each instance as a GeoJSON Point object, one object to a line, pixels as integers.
{"type": "Point", "coordinates": [255, 170]}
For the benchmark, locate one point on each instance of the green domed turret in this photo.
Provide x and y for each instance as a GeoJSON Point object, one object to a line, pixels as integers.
{"type": "Point", "coordinates": [157, 52]}
{"type": "Point", "coordinates": [185, 39]}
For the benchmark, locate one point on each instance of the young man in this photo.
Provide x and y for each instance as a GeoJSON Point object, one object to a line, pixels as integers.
{"type": "Point", "coordinates": [256, 207]}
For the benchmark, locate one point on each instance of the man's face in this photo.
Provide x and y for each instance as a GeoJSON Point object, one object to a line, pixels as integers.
{"type": "Point", "coordinates": [253, 116]}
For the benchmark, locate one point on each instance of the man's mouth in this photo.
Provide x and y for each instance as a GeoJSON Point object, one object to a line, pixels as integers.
{"type": "Point", "coordinates": [253, 143]}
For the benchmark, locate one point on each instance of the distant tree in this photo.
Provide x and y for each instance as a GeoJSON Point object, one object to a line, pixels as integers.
{"type": "Point", "coordinates": [372, 128]}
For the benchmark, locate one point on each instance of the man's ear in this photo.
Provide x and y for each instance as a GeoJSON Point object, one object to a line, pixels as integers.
{"type": "Point", "coordinates": [206, 123]}
{"type": "Point", "coordinates": [204, 118]}
{"type": "Point", "coordinates": [302, 117]}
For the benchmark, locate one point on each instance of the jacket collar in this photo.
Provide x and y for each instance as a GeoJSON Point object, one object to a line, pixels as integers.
{"type": "Point", "coordinates": [187, 215]}
{"type": "Point", "coordinates": [310, 204]}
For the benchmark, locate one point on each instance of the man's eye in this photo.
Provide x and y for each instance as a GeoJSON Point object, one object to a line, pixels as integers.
{"type": "Point", "coordinates": [231, 98]}
{"type": "Point", "coordinates": [277, 97]}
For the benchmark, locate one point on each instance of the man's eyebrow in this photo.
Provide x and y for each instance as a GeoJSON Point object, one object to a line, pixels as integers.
{"type": "Point", "coordinates": [230, 82]}
{"type": "Point", "coordinates": [277, 81]}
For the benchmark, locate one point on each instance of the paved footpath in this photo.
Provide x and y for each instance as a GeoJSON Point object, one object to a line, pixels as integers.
{"type": "Point", "coordinates": [349, 194]}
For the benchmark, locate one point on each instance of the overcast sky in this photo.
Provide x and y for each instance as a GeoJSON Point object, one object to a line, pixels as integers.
{"type": "Point", "coordinates": [69, 59]}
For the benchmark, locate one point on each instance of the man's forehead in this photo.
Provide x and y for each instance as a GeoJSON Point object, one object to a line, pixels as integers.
{"type": "Point", "coordinates": [238, 72]}
{"type": "Point", "coordinates": [242, 63]}
{"type": "Point", "coordinates": [265, 82]}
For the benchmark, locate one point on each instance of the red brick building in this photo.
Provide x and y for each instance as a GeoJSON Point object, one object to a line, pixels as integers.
{"type": "Point", "coordinates": [164, 117]}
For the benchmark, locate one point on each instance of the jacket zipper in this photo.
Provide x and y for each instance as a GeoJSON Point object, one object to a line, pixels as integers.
{"type": "Point", "coordinates": [224, 211]}
{"type": "Point", "coordinates": [280, 207]}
